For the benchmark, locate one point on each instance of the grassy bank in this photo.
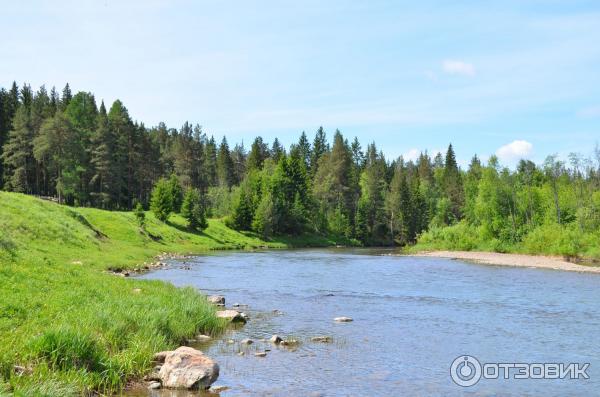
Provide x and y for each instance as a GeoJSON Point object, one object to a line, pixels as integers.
{"type": "Point", "coordinates": [552, 239]}
{"type": "Point", "coordinates": [69, 327]}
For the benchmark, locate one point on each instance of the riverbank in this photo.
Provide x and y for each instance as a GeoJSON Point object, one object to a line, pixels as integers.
{"type": "Point", "coordinates": [67, 326]}
{"type": "Point", "coordinates": [516, 260]}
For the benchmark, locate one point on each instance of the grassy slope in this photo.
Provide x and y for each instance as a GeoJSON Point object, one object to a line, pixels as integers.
{"type": "Point", "coordinates": [78, 328]}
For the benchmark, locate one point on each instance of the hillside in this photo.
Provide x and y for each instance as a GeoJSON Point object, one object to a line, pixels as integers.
{"type": "Point", "coordinates": [71, 327]}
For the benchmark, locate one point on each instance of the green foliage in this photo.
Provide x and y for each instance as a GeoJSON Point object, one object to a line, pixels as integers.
{"type": "Point", "coordinates": [193, 210]}
{"type": "Point", "coordinates": [161, 202]}
{"type": "Point", "coordinates": [176, 192]}
{"type": "Point", "coordinates": [140, 215]}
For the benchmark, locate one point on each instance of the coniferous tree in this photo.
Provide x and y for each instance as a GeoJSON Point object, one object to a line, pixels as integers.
{"type": "Point", "coordinates": [104, 183]}
{"type": "Point", "coordinates": [320, 147]}
{"type": "Point", "coordinates": [58, 147]}
{"type": "Point", "coordinates": [259, 152]}
{"type": "Point", "coordinates": [452, 184]}
{"type": "Point", "coordinates": [277, 151]}
{"type": "Point", "coordinates": [161, 201]}
{"type": "Point", "coordinates": [225, 167]}
{"type": "Point", "coordinates": [210, 162]}
{"type": "Point", "coordinates": [18, 153]}
{"type": "Point", "coordinates": [192, 209]}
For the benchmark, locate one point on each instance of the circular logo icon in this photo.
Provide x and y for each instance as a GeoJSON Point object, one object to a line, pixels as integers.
{"type": "Point", "coordinates": [465, 371]}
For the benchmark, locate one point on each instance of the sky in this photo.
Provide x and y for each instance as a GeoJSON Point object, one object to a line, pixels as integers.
{"type": "Point", "coordinates": [515, 78]}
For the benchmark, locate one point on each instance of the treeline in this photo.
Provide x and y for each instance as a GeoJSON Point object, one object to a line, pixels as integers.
{"type": "Point", "coordinates": [66, 146]}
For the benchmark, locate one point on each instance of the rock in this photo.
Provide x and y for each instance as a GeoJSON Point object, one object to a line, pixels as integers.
{"type": "Point", "coordinates": [277, 312]}
{"type": "Point", "coordinates": [343, 319]}
{"type": "Point", "coordinates": [217, 300]}
{"type": "Point", "coordinates": [260, 354]}
{"type": "Point", "coordinates": [289, 343]}
{"type": "Point", "coordinates": [241, 353]}
{"type": "Point", "coordinates": [275, 339]}
{"type": "Point", "coordinates": [230, 342]}
{"type": "Point", "coordinates": [188, 368]}
{"type": "Point", "coordinates": [203, 338]}
{"type": "Point", "coordinates": [218, 389]}
{"type": "Point", "coordinates": [232, 315]}
{"type": "Point", "coordinates": [246, 341]}
{"type": "Point", "coordinates": [154, 385]}
{"type": "Point", "coordinates": [160, 357]}
{"type": "Point", "coordinates": [239, 305]}
{"type": "Point", "coordinates": [322, 339]}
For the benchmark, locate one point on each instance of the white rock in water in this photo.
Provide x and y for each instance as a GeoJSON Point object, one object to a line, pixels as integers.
{"type": "Point", "coordinates": [188, 368]}
{"type": "Point", "coordinates": [232, 315]}
{"type": "Point", "coordinates": [275, 339]}
{"type": "Point", "coordinates": [343, 319]}
{"type": "Point", "coordinates": [216, 299]}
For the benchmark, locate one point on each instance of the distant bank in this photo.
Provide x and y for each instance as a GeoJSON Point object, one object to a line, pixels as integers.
{"type": "Point", "coordinates": [517, 260]}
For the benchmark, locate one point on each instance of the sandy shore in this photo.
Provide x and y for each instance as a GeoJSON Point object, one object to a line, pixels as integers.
{"type": "Point", "coordinates": [518, 260]}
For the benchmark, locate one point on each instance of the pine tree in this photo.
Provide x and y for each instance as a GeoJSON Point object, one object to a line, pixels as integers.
{"type": "Point", "coordinates": [452, 184]}
{"type": "Point", "coordinates": [18, 153]}
{"type": "Point", "coordinates": [66, 98]}
{"type": "Point", "coordinates": [239, 162]}
{"type": "Point", "coordinates": [305, 151]}
{"type": "Point", "coordinates": [210, 162]}
{"type": "Point", "coordinates": [176, 193]}
{"type": "Point", "coordinates": [161, 202]}
{"type": "Point", "coordinates": [277, 151]}
{"type": "Point", "coordinates": [58, 147]}
{"type": "Point", "coordinates": [104, 185]}
{"type": "Point", "coordinates": [193, 210]}
{"type": "Point", "coordinates": [225, 167]}
{"type": "Point", "coordinates": [320, 147]}
{"type": "Point", "coordinates": [259, 152]}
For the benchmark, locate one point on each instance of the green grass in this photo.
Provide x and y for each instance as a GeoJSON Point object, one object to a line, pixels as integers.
{"type": "Point", "coordinates": [551, 239]}
{"type": "Point", "coordinates": [76, 328]}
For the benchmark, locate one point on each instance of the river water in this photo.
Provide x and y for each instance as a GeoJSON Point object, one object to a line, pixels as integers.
{"type": "Point", "coordinates": [412, 318]}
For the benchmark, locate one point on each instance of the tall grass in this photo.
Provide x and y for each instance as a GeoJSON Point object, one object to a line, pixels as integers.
{"type": "Point", "coordinates": [76, 329]}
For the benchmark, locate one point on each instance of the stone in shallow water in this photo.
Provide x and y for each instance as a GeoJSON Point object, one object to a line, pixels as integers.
{"type": "Point", "coordinates": [154, 385]}
{"type": "Point", "coordinates": [203, 338]}
{"type": "Point", "coordinates": [232, 315]}
{"type": "Point", "coordinates": [216, 300]}
{"type": "Point", "coordinates": [343, 319]}
{"type": "Point", "coordinates": [260, 354]}
{"type": "Point", "coordinates": [275, 339]}
{"type": "Point", "coordinates": [188, 368]}
{"type": "Point", "coordinates": [246, 341]}
{"type": "Point", "coordinates": [322, 339]}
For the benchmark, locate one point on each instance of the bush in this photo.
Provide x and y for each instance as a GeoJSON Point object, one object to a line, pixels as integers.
{"type": "Point", "coordinates": [140, 215]}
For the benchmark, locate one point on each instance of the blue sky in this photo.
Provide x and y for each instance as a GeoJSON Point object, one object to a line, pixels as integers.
{"type": "Point", "coordinates": [517, 78]}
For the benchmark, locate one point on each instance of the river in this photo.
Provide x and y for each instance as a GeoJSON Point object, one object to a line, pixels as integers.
{"type": "Point", "coordinates": [412, 318]}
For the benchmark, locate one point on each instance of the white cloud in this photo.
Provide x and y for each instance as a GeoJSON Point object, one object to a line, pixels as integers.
{"type": "Point", "coordinates": [515, 150]}
{"type": "Point", "coordinates": [411, 155]}
{"type": "Point", "coordinates": [458, 67]}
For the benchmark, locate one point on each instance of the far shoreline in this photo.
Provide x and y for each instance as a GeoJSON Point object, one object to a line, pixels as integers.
{"type": "Point", "coordinates": [514, 260]}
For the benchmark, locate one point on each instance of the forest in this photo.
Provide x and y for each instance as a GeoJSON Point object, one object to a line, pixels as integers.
{"type": "Point", "coordinates": [67, 148]}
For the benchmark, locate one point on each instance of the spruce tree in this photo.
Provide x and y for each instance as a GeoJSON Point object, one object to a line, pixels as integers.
{"type": "Point", "coordinates": [18, 153]}
{"type": "Point", "coordinates": [225, 167]}
{"type": "Point", "coordinates": [161, 201]}
{"type": "Point", "coordinates": [259, 152]}
{"type": "Point", "coordinates": [104, 183]}
{"type": "Point", "coordinates": [210, 162]}
{"type": "Point", "coordinates": [320, 147]}
{"type": "Point", "coordinates": [193, 210]}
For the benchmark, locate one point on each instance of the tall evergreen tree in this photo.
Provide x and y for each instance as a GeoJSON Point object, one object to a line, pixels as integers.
{"type": "Point", "coordinates": [225, 167]}
{"type": "Point", "coordinates": [18, 153]}
{"type": "Point", "coordinates": [259, 152]}
{"type": "Point", "coordinates": [320, 147]}
{"type": "Point", "coordinates": [104, 183]}
{"type": "Point", "coordinates": [452, 184]}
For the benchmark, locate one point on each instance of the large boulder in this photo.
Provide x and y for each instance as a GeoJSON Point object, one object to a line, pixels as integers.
{"type": "Point", "coordinates": [187, 368]}
{"type": "Point", "coordinates": [232, 315]}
